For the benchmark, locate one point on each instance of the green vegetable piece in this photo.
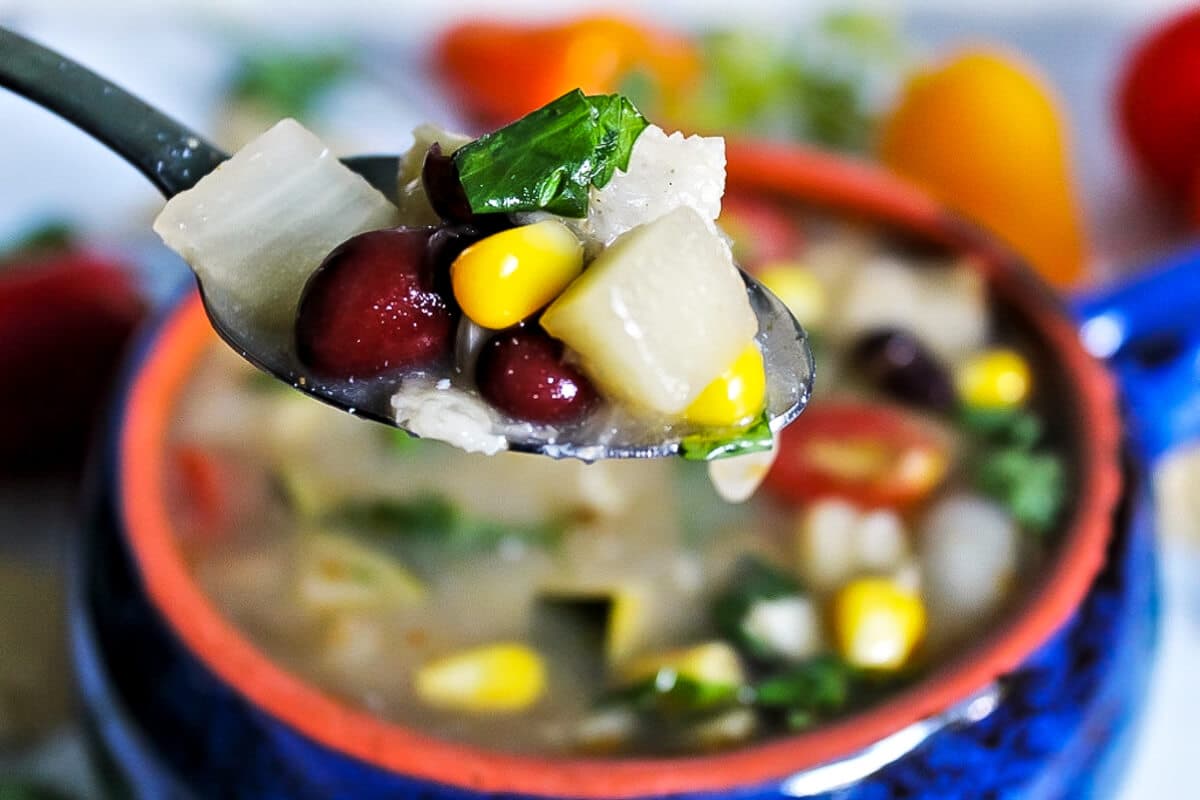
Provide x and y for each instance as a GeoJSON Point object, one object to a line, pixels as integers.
{"type": "Point", "coordinates": [1008, 427]}
{"type": "Point", "coordinates": [289, 84]}
{"type": "Point", "coordinates": [1031, 486]}
{"type": "Point", "coordinates": [550, 158]}
{"type": "Point", "coordinates": [818, 687]}
{"type": "Point", "coordinates": [433, 518]}
{"type": "Point", "coordinates": [753, 580]}
{"type": "Point", "coordinates": [725, 444]}
{"type": "Point", "coordinates": [671, 693]}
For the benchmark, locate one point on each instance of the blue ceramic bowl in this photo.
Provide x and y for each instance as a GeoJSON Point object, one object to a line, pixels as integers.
{"type": "Point", "coordinates": [180, 705]}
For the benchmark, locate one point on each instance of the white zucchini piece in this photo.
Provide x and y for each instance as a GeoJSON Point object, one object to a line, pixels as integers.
{"type": "Point", "coordinates": [257, 227]}
{"type": "Point", "coordinates": [658, 315]}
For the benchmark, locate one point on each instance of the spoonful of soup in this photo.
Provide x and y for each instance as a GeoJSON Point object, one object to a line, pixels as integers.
{"type": "Point", "coordinates": [558, 286]}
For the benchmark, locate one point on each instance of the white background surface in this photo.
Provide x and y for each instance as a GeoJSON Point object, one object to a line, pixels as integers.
{"type": "Point", "coordinates": [171, 60]}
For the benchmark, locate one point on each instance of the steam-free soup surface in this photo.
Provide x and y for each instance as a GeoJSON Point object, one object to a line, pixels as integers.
{"type": "Point", "coordinates": [534, 606]}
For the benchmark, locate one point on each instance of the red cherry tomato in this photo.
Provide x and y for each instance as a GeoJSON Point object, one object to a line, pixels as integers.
{"type": "Point", "coordinates": [761, 230]}
{"type": "Point", "coordinates": [870, 454]}
{"type": "Point", "coordinates": [1159, 104]}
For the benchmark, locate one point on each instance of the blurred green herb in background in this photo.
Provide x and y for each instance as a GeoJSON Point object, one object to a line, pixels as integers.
{"type": "Point", "coordinates": [289, 83]}
{"type": "Point", "coordinates": [823, 84]}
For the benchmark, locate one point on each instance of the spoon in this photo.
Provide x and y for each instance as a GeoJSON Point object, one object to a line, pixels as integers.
{"type": "Point", "coordinates": [175, 158]}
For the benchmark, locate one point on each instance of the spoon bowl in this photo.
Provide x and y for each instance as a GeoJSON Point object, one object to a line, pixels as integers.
{"type": "Point", "coordinates": [175, 158]}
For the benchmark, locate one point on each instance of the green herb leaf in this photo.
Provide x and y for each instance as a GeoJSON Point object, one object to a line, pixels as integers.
{"type": "Point", "coordinates": [1030, 485]}
{"type": "Point", "coordinates": [726, 444]}
{"type": "Point", "coordinates": [753, 581]}
{"type": "Point", "coordinates": [550, 158]}
{"type": "Point", "coordinates": [437, 520]}
{"type": "Point", "coordinates": [28, 790]}
{"type": "Point", "coordinates": [820, 686]}
{"type": "Point", "coordinates": [1009, 427]}
{"type": "Point", "coordinates": [289, 84]}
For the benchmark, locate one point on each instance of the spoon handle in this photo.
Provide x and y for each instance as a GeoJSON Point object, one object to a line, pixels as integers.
{"type": "Point", "coordinates": [173, 157]}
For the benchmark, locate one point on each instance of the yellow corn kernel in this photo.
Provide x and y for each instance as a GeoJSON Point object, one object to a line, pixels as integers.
{"type": "Point", "coordinates": [877, 623]}
{"type": "Point", "coordinates": [994, 379]}
{"type": "Point", "coordinates": [736, 396]}
{"type": "Point", "coordinates": [710, 662]}
{"type": "Point", "coordinates": [799, 289]}
{"type": "Point", "coordinates": [506, 676]}
{"type": "Point", "coordinates": [501, 280]}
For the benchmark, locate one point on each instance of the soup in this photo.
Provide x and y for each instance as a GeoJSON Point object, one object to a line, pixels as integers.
{"type": "Point", "coordinates": [534, 606]}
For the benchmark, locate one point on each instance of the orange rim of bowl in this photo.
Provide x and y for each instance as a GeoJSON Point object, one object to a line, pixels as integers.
{"type": "Point", "coordinates": [779, 169]}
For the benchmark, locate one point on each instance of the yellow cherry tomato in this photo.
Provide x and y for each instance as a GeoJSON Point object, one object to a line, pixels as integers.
{"type": "Point", "coordinates": [501, 280]}
{"type": "Point", "coordinates": [983, 133]}
{"type": "Point", "coordinates": [736, 396]}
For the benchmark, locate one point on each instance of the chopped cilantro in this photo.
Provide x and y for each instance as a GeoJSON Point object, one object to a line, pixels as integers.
{"type": "Point", "coordinates": [725, 444]}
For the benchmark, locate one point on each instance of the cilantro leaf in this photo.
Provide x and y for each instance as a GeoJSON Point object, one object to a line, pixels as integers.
{"type": "Point", "coordinates": [819, 687]}
{"type": "Point", "coordinates": [550, 158]}
{"type": "Point", "coordinates": [725, 444]}
{"type": "Point", "coordinates": [1030, 485]}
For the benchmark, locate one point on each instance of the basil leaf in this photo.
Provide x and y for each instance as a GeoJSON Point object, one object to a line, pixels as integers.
{"type": "Point", "coordinates": [551, 157]}
{"type": "Point", "coordinates": [724, 444]}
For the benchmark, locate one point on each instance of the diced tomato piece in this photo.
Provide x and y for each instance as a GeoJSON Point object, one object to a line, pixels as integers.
{"type": "Point", "coordinates": [870, 454]}
{"type": "Point", "coordinates": [761, 230]}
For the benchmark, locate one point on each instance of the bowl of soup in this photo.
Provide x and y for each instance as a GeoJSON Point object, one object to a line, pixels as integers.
{"type": "Point", "coordinates": [940, 589]}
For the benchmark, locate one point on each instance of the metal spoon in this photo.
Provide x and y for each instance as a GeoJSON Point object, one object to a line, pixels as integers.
{"type": "Point", "coordinates": [175, 158]}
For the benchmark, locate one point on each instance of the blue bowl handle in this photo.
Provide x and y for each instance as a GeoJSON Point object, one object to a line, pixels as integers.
{"type": "Point", "coordinates": [1148, 329]}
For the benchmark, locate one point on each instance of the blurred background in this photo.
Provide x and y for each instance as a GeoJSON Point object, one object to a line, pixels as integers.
{"type": "Point", "coordinates": [1070, 129]}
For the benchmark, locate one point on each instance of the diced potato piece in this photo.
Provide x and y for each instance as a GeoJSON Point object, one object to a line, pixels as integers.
{"type": "Point", "coordinates": [713, 662]}
{"type": "Point", "coordinates": [257, 227]}
{"type": "Point", "coordinates": [494, 678]}
{"type": "Point", "coordinates": [606, 731]}
{"type": "Point", "coordinates": [336, 573]}
{"type": "Point", "coordinates": [658, 315]}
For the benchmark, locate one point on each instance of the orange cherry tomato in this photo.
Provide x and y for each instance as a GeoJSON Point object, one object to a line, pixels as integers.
{"type": "Point", "coordinates": [501, 71]}
{"type": "Point", "coordinates": [870, 454]}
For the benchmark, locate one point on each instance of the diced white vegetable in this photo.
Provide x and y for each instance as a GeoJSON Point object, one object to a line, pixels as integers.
{"type": "Point", "coordinates": [881, 541]}
{"type": "Point", "coordinates": [736, 479]}
{"type": "Point", "coordinates": [789, 626]}
{"type": "Point", "coordinates": [437, 410]}
{"type": "Point", "coordinates": [257, 227]}
{"type": "Point", "coordinates": [836, 541]}
{"type": "Point", "coordinates": [945, 307]}
{"type": "Point", "coordinates": [969, 556]}
{"type": "Point", "coordinates": [724, 730]}
{"type": "Point", "coordinates": [826, 551]}
{"type": "Point", "coordinates": [351, 641]}
{"type": "Point", "coordinates": [658, 315]}
{"type": "Point", "coordinates": [606, 730]}
{"type": "Point", "coordinates": [664, 173]}
{"type": "Point", "coordinates": [413, 204]}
